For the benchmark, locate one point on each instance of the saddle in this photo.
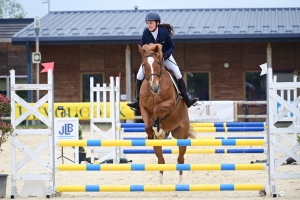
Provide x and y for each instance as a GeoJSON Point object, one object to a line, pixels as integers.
{"type": "Point", "coordinates": [175, 81]}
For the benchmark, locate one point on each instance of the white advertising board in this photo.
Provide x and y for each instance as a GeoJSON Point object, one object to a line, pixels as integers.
{"type": "Point", "coordinates": [67, 129]}
{"type": "Point", "coordinates": [212, 111]}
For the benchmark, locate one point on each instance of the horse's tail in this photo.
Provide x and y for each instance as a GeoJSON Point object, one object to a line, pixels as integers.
{"type": "Point", "coordinates": [191, 133]}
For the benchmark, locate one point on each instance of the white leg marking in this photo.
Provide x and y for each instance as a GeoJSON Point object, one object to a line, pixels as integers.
{"type": "Point", "coordinates": [180, 179]}
{"type": "Point", "coordinates": [161, 178]}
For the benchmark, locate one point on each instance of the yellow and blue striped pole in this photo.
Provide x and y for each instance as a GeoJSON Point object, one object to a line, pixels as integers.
{"type": "Point", "coordinates": [179, 142]}
{"type": "Point", "coordinates": [207, 137]}
{"type": "Point", "coordinates": [203, 124]}
{"type": "Point", "coordinates": [198, 151]}
{"type": "Point", "coordinates": [159, 167]}
{"type": "Point", "coordinates": [204, 127]}
{"type": "Point", "coordinates": [159, 188]}
{"type": "Point", "coordinates": [207, 129]}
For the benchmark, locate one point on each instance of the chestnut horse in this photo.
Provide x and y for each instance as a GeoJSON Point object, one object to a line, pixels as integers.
{"type": "Point", "coordinates": [162, 109]}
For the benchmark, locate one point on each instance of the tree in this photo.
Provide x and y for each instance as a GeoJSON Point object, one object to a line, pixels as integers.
{"type": "Point", "coordinates": [11, 9]}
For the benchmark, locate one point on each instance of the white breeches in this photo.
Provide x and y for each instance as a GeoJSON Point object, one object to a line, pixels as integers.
{"type": "Point", "coordinates": [169, 65]}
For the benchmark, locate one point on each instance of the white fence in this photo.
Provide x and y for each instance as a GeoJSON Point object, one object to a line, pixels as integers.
{"type": "Point", "coordinates": [282, 140]}
{"type": "Point", "coordinates": [111, 118]}
{"type": "Point", "coordinates": [16, 144]}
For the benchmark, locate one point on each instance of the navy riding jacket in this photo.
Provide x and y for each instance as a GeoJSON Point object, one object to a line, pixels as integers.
{"type": "Point", "coordinates": [163, 38]}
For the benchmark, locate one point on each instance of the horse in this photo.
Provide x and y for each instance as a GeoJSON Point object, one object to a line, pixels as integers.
{"type": "Point", "coordinates": [161, 106]}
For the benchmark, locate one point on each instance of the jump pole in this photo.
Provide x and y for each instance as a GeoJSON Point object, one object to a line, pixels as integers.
{"type": "Point", "coordinates": [212, 137]}
{"type": "Point", "coordinates": [212, 124]}
{"type": "Point", "coordinates": [198, 151]}
{"type": "Point", "coordinates": [159, 167]}
{"type": "Point", "coordinates": [159, 188]}
{"type": "Point", "coordinates": [179, 142]}
{"type": "Point", "coordinates": [206, 129]}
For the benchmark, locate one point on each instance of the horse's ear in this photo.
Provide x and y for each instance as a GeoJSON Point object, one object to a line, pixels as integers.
{"type": "Point", "coordinates": [155, 49]}
{"type": "Point", "coordinates": [141, 50]}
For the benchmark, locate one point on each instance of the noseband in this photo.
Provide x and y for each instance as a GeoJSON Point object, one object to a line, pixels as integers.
{"type": "Point", "coordinates": [159, 63]}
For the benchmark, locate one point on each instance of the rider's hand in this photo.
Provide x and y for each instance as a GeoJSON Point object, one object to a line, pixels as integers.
{"type": "Point", "coordinates": [166, 56]}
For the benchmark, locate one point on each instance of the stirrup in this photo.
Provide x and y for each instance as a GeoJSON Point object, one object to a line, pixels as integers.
{"type": "Point", "coordinates": [189, 103]}
{"type": "Point", "coordinates": [134, 109]}
{"type": "Point", "coordinates": [194, 104]}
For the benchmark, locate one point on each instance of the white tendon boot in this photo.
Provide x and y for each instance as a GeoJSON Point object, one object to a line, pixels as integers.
{"type": "Point", "coordinates": [161, 134]}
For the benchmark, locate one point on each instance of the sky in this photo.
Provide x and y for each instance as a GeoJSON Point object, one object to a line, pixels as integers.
{"type": "Point", "coordinates": [38, 8]}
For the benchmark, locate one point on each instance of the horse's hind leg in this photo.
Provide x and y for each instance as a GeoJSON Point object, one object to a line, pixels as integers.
{"type": "Point", "coordinates": [180, 160]}
{"type": "Point", "coordinates": [161, 160]}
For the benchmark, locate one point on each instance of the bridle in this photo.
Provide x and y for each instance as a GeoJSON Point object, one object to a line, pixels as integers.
{"type": "Point", "coordinates": [153, 74]}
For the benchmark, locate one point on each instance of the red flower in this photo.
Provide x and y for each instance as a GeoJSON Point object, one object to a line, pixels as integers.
{"type": "Point", "coordinates": [5, 128]}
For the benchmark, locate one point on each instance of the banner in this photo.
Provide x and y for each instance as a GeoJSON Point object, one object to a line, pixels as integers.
{"type": "Point", "coordinates": [205, 111]}
{"type": "Point", "coordinates": [82, 109]}
{"type": "Point", "coordinates": [212, 111]}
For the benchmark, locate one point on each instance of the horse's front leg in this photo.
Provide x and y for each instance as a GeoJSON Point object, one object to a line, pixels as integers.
{"type": "Point", "coordinates": [180, 160]}
{"type": "Point", "coordinates": [161, 160]}
{"type": "Point", "coordinates": [149, 131]}
{"type": "Point", "coordinates": [164, 108]}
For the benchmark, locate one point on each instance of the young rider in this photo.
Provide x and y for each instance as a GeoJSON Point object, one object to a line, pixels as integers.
{"type": "Point", "coordinates": [161, 33]}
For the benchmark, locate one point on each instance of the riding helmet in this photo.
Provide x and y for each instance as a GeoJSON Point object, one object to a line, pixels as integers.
{"type": "Point", "coordinates": [152, 16]}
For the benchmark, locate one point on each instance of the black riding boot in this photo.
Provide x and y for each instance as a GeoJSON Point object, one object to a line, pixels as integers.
{"type": "Point", "coordinates": [189, 100]}
{"type": "Point", "coordinates": [135, 102]}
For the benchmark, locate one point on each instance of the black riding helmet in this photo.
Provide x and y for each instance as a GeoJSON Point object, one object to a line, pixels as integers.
{"type": "Point", "coordinates": [152, 16]}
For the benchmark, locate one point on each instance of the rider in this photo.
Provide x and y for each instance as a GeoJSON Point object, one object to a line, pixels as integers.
{"type": "Point", "coordinates": [161, 34]}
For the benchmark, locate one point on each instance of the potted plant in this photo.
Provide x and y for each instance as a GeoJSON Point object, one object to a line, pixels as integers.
{"type": "Point", "coordinates": [5, 131]}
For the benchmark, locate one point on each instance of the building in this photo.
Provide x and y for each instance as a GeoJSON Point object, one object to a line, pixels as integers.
{"type": "Point", "coordinates": [12, 57]}
{"type": "Point", "coordinates": [223, 48]}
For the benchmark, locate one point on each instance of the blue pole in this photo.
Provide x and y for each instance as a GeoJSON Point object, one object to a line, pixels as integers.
{"type": "Point", "coordinates": [29, 73]}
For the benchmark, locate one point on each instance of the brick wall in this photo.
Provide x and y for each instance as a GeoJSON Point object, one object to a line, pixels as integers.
{"type": "Point", "coordinates": [225, 84]}
{"type": "Point", "coordinates": [12, 57]}
{"type": "Point", "coordinates": [66, 71]}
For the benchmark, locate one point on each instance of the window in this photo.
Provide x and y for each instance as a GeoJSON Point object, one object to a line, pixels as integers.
{"type": "Point", "coordinates": [255, 86]}
{"type": "Point", "coordinates": [5, 86]}
{"type": "Point", "coordinates": [198, 85]}
{"type": "Point", "coordinates": [285, 77]}
{"type": "Point", "coordinates": [98, 78]}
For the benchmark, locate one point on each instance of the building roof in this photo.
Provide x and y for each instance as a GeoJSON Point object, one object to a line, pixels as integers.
{"type": "Point", "coordinates": [8, 27]}
{"type": "Point", "coordinates": [191, 25]}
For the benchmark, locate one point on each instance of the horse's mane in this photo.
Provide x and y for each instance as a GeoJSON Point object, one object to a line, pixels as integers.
{"type": "Point", "coordinates": [151, 49]}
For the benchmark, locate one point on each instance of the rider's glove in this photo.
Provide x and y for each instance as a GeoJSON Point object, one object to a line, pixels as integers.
{"type": "Point", "coordinates": [166, 56]}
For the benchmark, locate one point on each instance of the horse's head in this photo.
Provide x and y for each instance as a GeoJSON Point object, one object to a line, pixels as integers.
{"type": "Point", "coordinates": [152, 65]}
